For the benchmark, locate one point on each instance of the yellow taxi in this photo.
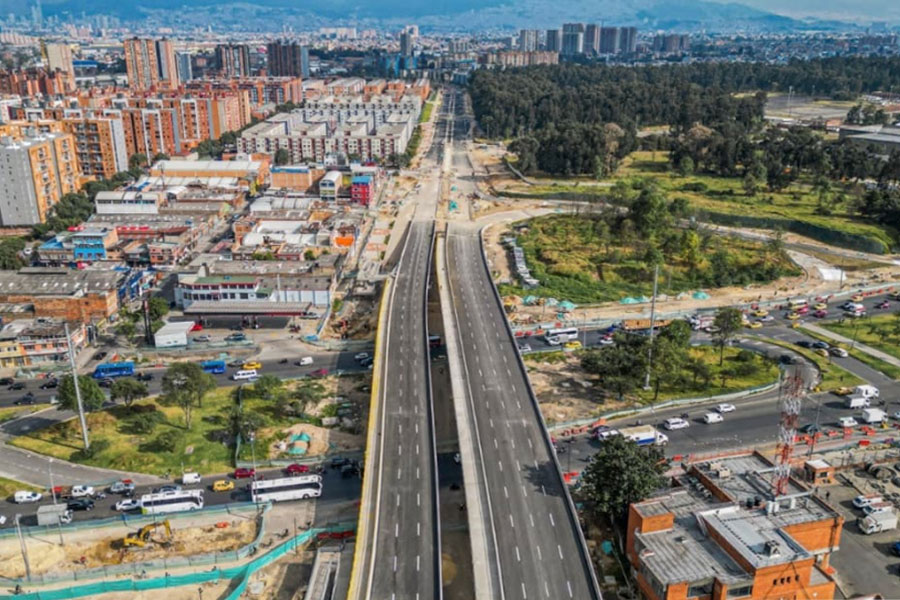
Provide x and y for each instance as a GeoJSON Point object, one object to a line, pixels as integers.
{"type": "Point", "coordinates": [843, 391]}
{"type": "Point", "coordinates": [252, 365]}
{"type": "Point", "coordinates": [755, 325]}
{"type": "Point", "coordinates": [821, 352]}
{"type": "Point", "coordinates": [573, 345]}
{"type": "Point", "coordinates": [223, 485]}
{"type": "Point", "coordinates": [796, 324]}
{"type": "Point", "coordinates": [791, 317]}
{"type": "Point", "coordinates": [821, 306]}
{"type": "Point", "coordinates": [856, 298]}
{"type": "Point", "coordinates": [760, 313]}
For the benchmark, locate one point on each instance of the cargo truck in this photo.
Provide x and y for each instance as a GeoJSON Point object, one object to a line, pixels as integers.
{"type": "Point", "coordinates": [874, 415]}
{"type": "Point", "coordinates": [877, 522]}
{"type": "Point", "coordinates": [645, 435]}
{"type": "Point", "coordinates": [857, 402]}
{"type": "Point", "coordinates": [54, 514]}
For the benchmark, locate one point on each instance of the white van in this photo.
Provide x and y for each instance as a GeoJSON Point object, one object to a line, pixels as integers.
{"type": "Point", "coordinates": [190, 477]}
{"type": "Point", "coordinates": [847, 422]}
{"type": "Point", "coordinates": [856, 402]}
{"type": "Point", "coordinates": [306, 360]}
{"type": "Point", "coordinates": [866, 391]}
{"type": "Point", "coordinates": [245, 374]}
{"type": "Point", "coordinates": [863, 501]}
{"type": "Point", "coordinates": [26, 497]}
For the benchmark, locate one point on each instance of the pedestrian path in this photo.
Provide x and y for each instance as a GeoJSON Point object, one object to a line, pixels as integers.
{"type": "Point", "coordinates": [874, 352]}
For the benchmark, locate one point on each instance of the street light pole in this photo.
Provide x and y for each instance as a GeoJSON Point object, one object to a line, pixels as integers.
{"type": "Point", "coordinates": [81, 419]}
{"type": "Point", "coordinates": [652, 323]}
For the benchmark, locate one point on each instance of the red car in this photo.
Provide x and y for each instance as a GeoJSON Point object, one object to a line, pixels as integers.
{"type": "Point", "coordinates": [296, 469]}
{"type": "Point", "coordinates": [243, 473]}
{"type": "Point", "coordinates": [319, 373]}
{"type": "Point", "coordinates": [820, 314]}
{"type": "Point", "coordinates": [197, 327]}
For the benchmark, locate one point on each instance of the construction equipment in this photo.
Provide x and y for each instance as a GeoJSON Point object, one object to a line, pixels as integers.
{"type": "Point", "coordinates": [142, 536]}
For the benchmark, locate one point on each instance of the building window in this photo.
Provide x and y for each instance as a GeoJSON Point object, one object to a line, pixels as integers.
{"type": "Point", "coordinates": [703, 588]}
{"type": "Point", "coordinates": [740, 592]}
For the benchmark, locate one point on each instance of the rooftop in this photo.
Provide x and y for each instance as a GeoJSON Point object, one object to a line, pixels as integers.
{"type": "Point", "coordinates": [181, 166]}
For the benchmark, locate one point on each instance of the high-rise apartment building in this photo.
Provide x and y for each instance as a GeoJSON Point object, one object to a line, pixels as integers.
{"type": "Point", "coordinates": [150, 64]}
{"type": "Point", "coordinates": [287, 59]}
{"type": "Point", "coordinates": [233, 60]}
{"type": "Point", "coordinates": [59, 58]}
{"type": "Point", "coordinates": [553, 41]}
{"type": "Point", "coordinates": [408, 40]}
{"type": "Point", "coordinates": [183, 66]}
{"type": "Point", "coordinates": [592, 39]}
{"type": "Point", "coordinates": [38, 170]}
{"type": "Point", "coordinates": [528, 40]}
{"type": "Point", "coordinates": [628, 40]}
{"type": "Point", "coordinates": [609, 40]}
{"type": "Point", "coordinates": [572, 39]}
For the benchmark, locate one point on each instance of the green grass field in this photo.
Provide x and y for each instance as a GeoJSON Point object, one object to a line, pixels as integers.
{"type": "Point", "coordinates": [206, 447]}
{"type": "Point", "coordinates": [876, 331]}
{"type": "Point", "coordinates": [724, 195]}
{"type": "Point", "coordinates": [8, 487]}
{"type": "Point", "coordinates": [426, 112]}
{"type": "Point", "coordinates": [572, 262]}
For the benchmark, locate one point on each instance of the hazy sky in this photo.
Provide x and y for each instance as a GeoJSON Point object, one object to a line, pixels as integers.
{"type": "Point", "coordinates": [858, 10]}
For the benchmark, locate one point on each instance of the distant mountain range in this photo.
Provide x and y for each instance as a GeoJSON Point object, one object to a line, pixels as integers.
{"type": "Point", "coordinates": [449, 15]}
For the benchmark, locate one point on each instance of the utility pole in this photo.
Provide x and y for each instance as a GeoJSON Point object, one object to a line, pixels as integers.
{"type": "Point", "coordinates": [652, 323]}
{"type": "Point", "coordinates": [81, 419]}
{"type": "Point", "coordinates": [24, 548]}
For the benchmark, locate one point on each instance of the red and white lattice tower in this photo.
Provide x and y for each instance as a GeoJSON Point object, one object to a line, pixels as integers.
{"type": "Point", "coordinates": [793, 389]}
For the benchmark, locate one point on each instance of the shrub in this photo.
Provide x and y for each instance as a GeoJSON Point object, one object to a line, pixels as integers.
{"type": "Point", "coordinates": [97, 446]}
{"type": "Point", "coordinates": [166, 441]}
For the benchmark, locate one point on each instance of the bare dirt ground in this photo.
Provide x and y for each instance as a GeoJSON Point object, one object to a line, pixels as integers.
{"type": "Point", "coordinates": [102, 546]}
{"type": "Point", "coordinates": [563, 391]}
{"type": "Point", "coordinates": [357, 320]}
{"type": "Point", "coordinates": [322, 439]}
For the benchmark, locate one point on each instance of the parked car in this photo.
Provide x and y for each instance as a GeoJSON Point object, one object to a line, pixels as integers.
{"type": "Point", "coordinates": [821, 352]}
{"type": "Point", "coordinates": [127, 505]}
{"type": "Point", "coordinates": [319, 373]}
{"type": "Point", "coordinates": [27, 497]}
{"type": "Point", "coordinates": [675, 423]}
{"type": "Point", "coordinates": [201, 339]}
{"type": "Point", "coordinates": [804, 343]}
{"type": "Point", "coordinates": [822, 345]}
{"type": "Point", "coordinates": [197, 327]}
{"type": "Point", "coordinates": [360, 355]}
{"type": "Point", "coordinates": [725, 408]}
{"type": "Point", "coordinates": [105, 383]}
{"type": "Point", "coordinates": [223, 485]}
{"type": "Point", "coordinates": [810, 429]}
{"type": "Point", "coordinates": [296, 469]}
{"type": "Point", "coordinates": [81, 491]}
{"type": "Point", "coordinates": [524, 348]}
{"type": "Point", "coordinates": [366, 362]}
{"type": "Point", "coordinates": [80, 504]}
{"type": "Point", "coordinates": [847, 422]}
{"type": "Point", "coordinates": [50, 384]}
{"type": "Point", "coordinates": [244, 473]}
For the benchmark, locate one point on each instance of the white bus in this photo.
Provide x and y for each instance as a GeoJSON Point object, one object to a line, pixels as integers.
{"type": "Point", "coordinates": [286, 488]}
{"type": "Point", "coordinates": [555, 337]}
{"type": "Point", "coordinates": [166, 502]}
{"type": "Point", "coordinates": [797, 303]}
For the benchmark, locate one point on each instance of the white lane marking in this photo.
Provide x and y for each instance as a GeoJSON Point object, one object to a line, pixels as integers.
{"type": "Point", "coordinates": [569, 586]}
{"type": "Point", "coordinates": [552, 522]}
{"type": "Point", "coordinates": [546, 589]}
{"type": "Point", "coordinates": [531, 518]}
{"type": "Point", "coordinates": [524, 491]}
{"type": "Point", "coordinates": [524, 593]}
{"type": "Point", "coordinates": [500, 462]}
{"type": "Point", "coordinates": [504, 359]}
{"type": "Point", "coordinates": [418, 562]}
{"type": "Point", "coordinates": [495, 443]}
{"type": "Point", "coordinates": [540, 556]}
{"type": "Point", "coordinates": [396, 530]}
{"type": "Point", "coordinates": [398, 472]}
{"type": "Point", "coordinates": [559, 549]}
{"type": "Point", "coordinates": [400, 425]}
{"type": "Point", "coordinates": [518, 556]}
{"type": "Point", "coordinates": [398, 499]}
{"type": "Point", "coordinates": [505, 492]}
{"type": "Point", "coordinates": [508, 372]}
{"type": "Point", "coordinates": [395, 564]}
{"type": "Point", "coordinates": [494, 371]}
{"type": "Point", "coordinates": [418, 499]}
{"type": "Point", "coordinates": [530, 445]}
{"type": "Point", "coordinates": [480, 374]}
{"type": "Point", "coordinates": [512, 523]}
{"type": "Point", "coordinates": [419, 529]}
{"type": "Point", "coordinates": [417, 448]}
{"type": "Point", "coordinates": [519, 404]}
{"type": "Point", "coordinates": [491, 421]}
{"type": "Point", "coordinates": [512, 443]}
{"type": "Point", "coordinates": [417, 472]}
{"type": "Point", "coordinates": [417, 431]}
{"type": "Point", "coordinates": [399, 449]}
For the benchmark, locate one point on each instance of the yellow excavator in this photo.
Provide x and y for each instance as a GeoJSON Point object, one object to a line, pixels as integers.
{"type": "Point", "coordinates": [142, 536]}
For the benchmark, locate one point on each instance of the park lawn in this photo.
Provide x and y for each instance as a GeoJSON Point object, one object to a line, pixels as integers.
{"type": "Point", "coordinates": [426, 112]}
{"type": "Point", "coordinates": [205, 448]}
{"type": "Point", "coordinates": [833, 376]}
{"type": "Point", "coordinates": [571, 262]}
{"type": "Point", "coordinates": [8, 487]}
{"type": "Point", "coordinates": [867, 359]}
{"type": "Point", "coordinates": [872, 331]}
{"type": "Point", "coordinates": [766, 373]}
{"type": "Point", "coordinates": [8, 413]}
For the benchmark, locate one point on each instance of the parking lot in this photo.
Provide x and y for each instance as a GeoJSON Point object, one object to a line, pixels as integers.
{"type": "Point", "coordinates": [864, 563]}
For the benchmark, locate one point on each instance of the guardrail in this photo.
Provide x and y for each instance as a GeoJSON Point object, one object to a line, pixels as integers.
{"type": "Point", "coordinates": [545, 433]}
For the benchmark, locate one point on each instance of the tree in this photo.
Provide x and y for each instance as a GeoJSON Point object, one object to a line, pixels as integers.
{"type": "Point", "coordinates": [244, 424]}
{"type": "Point", "coordinates": [9, 253]}
{"type": "Point", "coordinates": [128, 390]}
{"type": "Point", "coordinates": [158, 308]}
{"type": "Point", "coordinates": [750, 184]}
{"type": "Point", "coordinates": [137, 161]}
{"type": "Point", "coordinates": [267, 386]}
{"type": "Point", "coordinates": [621, 366]}
{"type": "Point", "coordinates": [622, 473]}
{"type": "Point", "coordinates": [282, 156]}
{"type": "Point", "coordinates": [728, 322]}
{"type": "Point", "coordinates": [187, 378]}
{"type": "Point", "coordinates": [685, 166]}
{"type": "Point", "coordinates": [160, 156]}
{"type": "Point", "coordinates": [92, 397]}
{"type": "Point", "coordinates": [127, 329]}
{"type": "Point", "coordinates": [668, 359]}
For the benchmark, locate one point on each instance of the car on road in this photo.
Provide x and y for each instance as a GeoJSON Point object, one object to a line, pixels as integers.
{"type": "Point", "coordinates": [574, 345]}
{"type": "Point", "coordinates": [169, 487]}
{"type": "Point", "coordinates": [126, 505]}
{"type": "Point", "coordinates": [107, 382]}
{"type": "Point", "coordinates": [821, 352]}
{"type": "Point", "coordinates": [26, 399]}
{"type": "Point", "coordinates": [306, 360]}
{"type": "Point", "coordinates": [847, 422]}
{"type": "Point", "coordinates": [804, 343]}
{"type": "Point", "coordinates": [760, 312]}
{"type": "Point", "coordinates": [839, 352]}
{"type": "Point", "coordinates": [81, 491]}
{"type": "Point", "coordinates": [50, 384]}
{"type": "Point", "coordinates": [190, 478]}
{"type": "Point", "coordinates": [16, 385]}
{"type": "Point", "coordinates": [99, 355]}
{"type": "Point", "coordinates": [820, 314]}
{"type": "Point", "coordinates": [235, 337]}
{"type": "Point", "coordinates": [810, 429]}
{"type": "Point", "coordinates": [856, 298]}
{"type": "Point", "coordinates": [895, 548]}
{"type": "Point", "coordinates": [80, 504]}
{"type": "Point", "coordinates": [713, 417]}
{"type": "Point", "coordinates": [673, 423]}
{"type": "Point", "coordinates": [524, 348]}
{"type": "Point", "coordinates": [755, 325]}
{"type": "Point", "coordinates": [821, 306]}
{"type": "Point", "coordinates": [197, 327]}
{"type": "Point", "coordinates": [792, 316]}
{"type": "Point", "coordinates": [244, 473]}
{"type": "Point", "coordinates": [27, 497]}
{"type": "Point", "coordinates": [6, 381]}
{"type": "Point", "coordinates": [144, 376]}
{"type": "Point", "coordinates": [360, 356]}
{"type": "Point", "coordinates": [252, 365]}
{"type": "Point", "coordinates": [295, 469]}
{"type": "Point", "coordinates": [896, 415]}
{"type": "Point", "coordinates": [725, 408]}
{"type": "Point", "coordinates": [820, 344]}
{"type": "Point", "coordinates": [201, 339]}
{"type": "Point", "coordinates": [607, 341]}
{"type": "Point", "coordinates": [319, 373]}
{"type": "Point", "coordinates": [338, 462]}
{"type": "Point", "coordinates": [883, 305]}
{"type": "Point", "coordinates": [767, 319]}
{"type": "Point", "coordinates": [894, 295]}
{"type": "Point", "coordinates": [125, 486]}
{"type": "Point", "coordinates": [843, 390]}
{"type": "Point", "coordinates": [222, 485]}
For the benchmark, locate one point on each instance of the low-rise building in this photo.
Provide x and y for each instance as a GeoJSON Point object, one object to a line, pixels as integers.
{"type": "Point", "coordinates": [33, 342]}
{"type": "Point", "coordinates": [301, 178]}
{"type": "Point", "coordinates": [173, 334]}
{"type": "Point", "coordinates": [330, 186]}
{"type": "Point", "coordinates": [84, 296]}
{"type": "Point", "coordinates": [362, 189]}
{"type": "Point", "coordinates": [722, 533]}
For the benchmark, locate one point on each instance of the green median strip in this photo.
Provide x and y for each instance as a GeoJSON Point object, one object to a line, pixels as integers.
{"type": "Point", "coordinates": [867, 359]}
{"type": "Point", "coordinates": [833, 376]}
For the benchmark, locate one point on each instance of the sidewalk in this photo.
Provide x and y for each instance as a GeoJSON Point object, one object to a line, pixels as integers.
{"type": "Point", "coordinates": [874, 352]}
